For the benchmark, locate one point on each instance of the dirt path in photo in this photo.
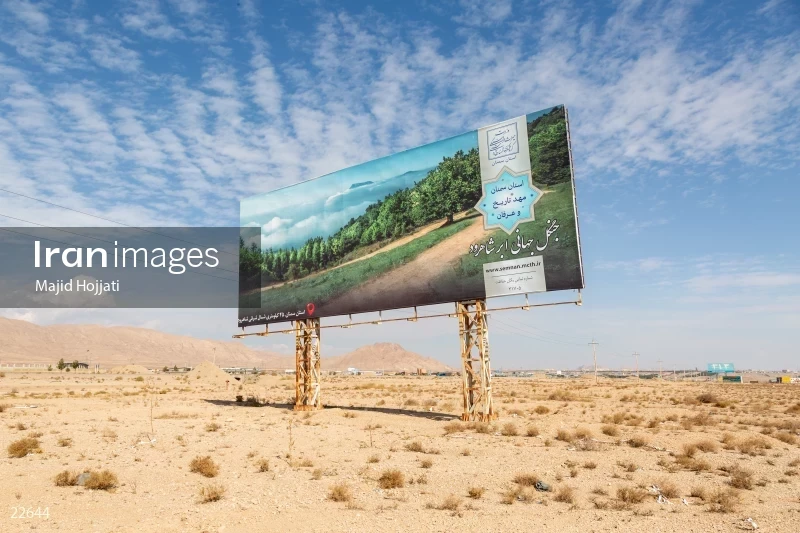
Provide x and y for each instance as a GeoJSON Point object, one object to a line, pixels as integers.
{"type": "Point", "coordinates": [424, 230]}
{"type": "Point", "coordinates": [417, 276]}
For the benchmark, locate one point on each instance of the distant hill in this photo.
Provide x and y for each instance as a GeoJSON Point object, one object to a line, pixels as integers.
{"type": "Point", "coordinates": [383, 356]}
{"type": "Point", "coordinates": [111, 346]}
{"type": "Point", "coordinates": [24, 342]}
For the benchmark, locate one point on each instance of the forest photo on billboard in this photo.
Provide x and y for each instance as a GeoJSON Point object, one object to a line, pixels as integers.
{"type": "Point", "coordinates": [486, 213]}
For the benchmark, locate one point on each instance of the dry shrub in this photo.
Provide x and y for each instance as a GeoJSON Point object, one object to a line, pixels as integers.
{"type": "Point", "coordinates": [426, 463]}
{"type": "Point", "coordinates": [212, 427]}
{"type": "Point", "coordinates": [476, 493]}
{"type": "Point", "coordinates": [509, 430]}
{"type": "Point", "coordinates": [340, 493]}
{"type": "Point", "coordinates": [583, 433]}
{"type": "Point", "coordinates": [616, 418]}
{"type": "Point", "coordinates": [516, 493]}
{"type": "Point", "coordinates": [707, 397]}
{"type": "Point", "coordinates": [451, 503]}
{"type": "Point", "coordinates": [786, 437]}
{"type": "Point", "coordinates": [700, 492]}
{"type": "Point", "coordinates": [532, 431]}
{"type": "Point", "coordinates": [590, 465]}
{"type": "Point", "coordinates": [741, 478]}
{"type": "Point", "coordinates": [317, 474]}
{"type": "Point", "coordinates": [526, 480]}
{"type": "Point", "coordinates": [375, 458]}
{"type": "Point", "coordinates": [415, 446]}
{"type": "Point", "coordinates": [65, 442]}
{"type": "Point", "coordinates": [543, 409]}
{"type": "Point", "coordinates": [794, 410]}
{"type": "Point", "coordinates": [724, 500]}
{"type": "Point", "coordinates": [211, 493]}
{"type": "Point", "coordinates": [693, 464]}
{"type": "Point", "coordinates": [263, 465]}
{"type": "Point", "coordinates": [205, 466]}
{"type": "Point", "coordinates": [611, 431]}
{"type": "Point", "coordinates": [565, 495]}
{"type": "Point", "coordinates": [482, 427]}
{"type": "Point", "coordinates": [668, 488]}
{"type": "Point", "coordinates": [562, 396]}
{"type": "Point", "coordinates": [391, 479]}
{"type": "Point", "coordinates": [706, 446]}
{"type": "Point", "coordinates": [453, 427]}
{"type": "Point", "coordinates": [631, 495]}
{"type": "Point", "coordinates": [66, 479]}
{"type": "Point", "coordinates": [753, 445]}
{"type": "Point", "coordinates": [3, 407]}
{"type": "Point", "coordinates": [564, 435]}
{"type": "Point", "coordinates": [638, 441]}
{"type": "Point", "coordinates": [307, 463]}
{"type": "Point", "coordinates": [103, 480]}
{"type": "Point", "coordinates": [22, 447]}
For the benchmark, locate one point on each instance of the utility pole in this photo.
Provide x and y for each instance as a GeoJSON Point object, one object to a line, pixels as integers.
{"type": "Point", "coordinates": [215, 356]}
{"type": "Point", "coordinates": [660, 375]}
{"type": "Point", "coordinates": [594, 344]}
{"type": "Point", "coordinates": [636, 355]}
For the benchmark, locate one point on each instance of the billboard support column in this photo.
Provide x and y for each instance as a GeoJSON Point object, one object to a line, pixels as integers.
{"type": "Point", "coordinates": [476, 369]}
{"type": "Point", "coordinates": [307, 365]}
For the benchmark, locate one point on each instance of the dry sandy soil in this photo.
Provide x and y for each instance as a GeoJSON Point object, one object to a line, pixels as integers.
{"type": "Point", "coordinates": [718, 453]}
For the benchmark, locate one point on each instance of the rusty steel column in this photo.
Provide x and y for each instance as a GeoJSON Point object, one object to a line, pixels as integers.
{"type": "Point", "coordinates": [307, 365]}
{"type": "Point", "coordinates": [476, 368]}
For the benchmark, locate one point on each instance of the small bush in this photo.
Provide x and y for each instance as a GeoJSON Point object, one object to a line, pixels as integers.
{"type": "Point", "coordinates": [22, 447]}
{"type": "Point", "coordinates": [3, 407]}
{"type": "Point", "coordinates": [509, 430]}
{"type": "Point", "coordinates": [583, 433]}
{"type": "Point", "coordinates": [741, 478]}
{"type": "Point", "coordinates": [724, 500]}
{"type": "Point", "coordinates": [415, 446]}
{"type": "Point", "coordinates": [565, 495]}
{"type": "Point", "coordinates": [590, 465]}
{"type": "Point", "coordinates": [340, 493]}
{"type": "Point", "coordinates": [637, 441]}
{"type": "Point", "coordinates": [453, 427]}
{"type": "Point", "coordinates": [317, 474]}
{"type": "Point", "coordinates": [263, 465]}
{"type": "Point", "coordinates": [668, 488]}
{"type": "Point", "coordinates": [205, 466]}
{"type": "Point", "coordinates": [375, 458]}
{"type": "Point", "coordinates": [66, 479]}
{"type": "Point", "coordinates": [451, 503]}
{"type": "Point", "coordinates": [391, 479]}
{"type": "Point", "coordinates": [631, 495]}
{"type": "Point", "coordinates": [707, 397]}
{"type": "Point", "coordinates": [476, 493]}
{"type": "Point", "coordinates": [426, 463]}
{"type": "Point", "coordinates": [103, 480]}
{"type": "Point", "coordinates": [65, 442]}
{"type": "Point", "coordinates": [211, 493]}
{"type": "Point", "coordinates": [786, 437]}
{"type": "Point", "coordinates": [543, 410]}
{"type": "Point", "coordinates": [611, 431]}
{"type": "Point", "coordinates": [564, 435]}
{"type": "Point", "coordinates": [532, 431]}
{"type": "Point", "coordinates": [526, 480]}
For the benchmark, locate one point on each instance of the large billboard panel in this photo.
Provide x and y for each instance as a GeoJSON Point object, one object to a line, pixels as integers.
{"type": "Point", "coordinates": [486, 213]}
{"type": "Point", "coordinates": [720, 368]}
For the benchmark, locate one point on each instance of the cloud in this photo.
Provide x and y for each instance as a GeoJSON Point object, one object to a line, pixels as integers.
{"type": "Point", "coordinates": [742, 281]}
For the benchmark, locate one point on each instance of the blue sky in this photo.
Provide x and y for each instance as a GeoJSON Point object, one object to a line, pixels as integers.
{"type": "Point", "coordinates": [684, 121]}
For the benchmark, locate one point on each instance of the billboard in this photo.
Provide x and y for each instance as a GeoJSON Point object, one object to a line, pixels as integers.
{"type": "Point", "coordinates": [487, 213]}
{"type": "Point", "coordinates": [719, 368]}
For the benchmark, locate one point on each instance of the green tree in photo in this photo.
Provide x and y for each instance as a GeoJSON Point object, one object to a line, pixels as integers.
{"type": "Point", "coordinates": [61, 365]}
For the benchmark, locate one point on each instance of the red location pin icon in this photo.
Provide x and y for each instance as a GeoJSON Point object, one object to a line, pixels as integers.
{"type": "Point", "coordinates": [310, 308]}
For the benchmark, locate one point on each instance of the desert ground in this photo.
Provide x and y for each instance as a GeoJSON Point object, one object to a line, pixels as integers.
{"type": "Point", "coordinates": [169, 452]}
